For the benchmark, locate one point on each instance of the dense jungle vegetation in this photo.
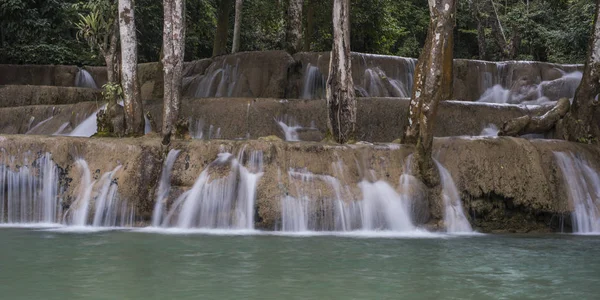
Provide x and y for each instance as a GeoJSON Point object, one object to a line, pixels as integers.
{"type": "Point", "coordinates": [45, 31]}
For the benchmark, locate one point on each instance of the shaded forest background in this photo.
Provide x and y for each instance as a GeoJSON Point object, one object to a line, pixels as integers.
{"type": "Point", "coordinates": [44, 31]}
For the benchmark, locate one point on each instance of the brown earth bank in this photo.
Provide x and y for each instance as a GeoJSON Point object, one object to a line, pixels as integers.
{"type": "Point", "coordinates": [276, 74]}
{"type": "Point", "coordinates": [379, 119]}
{"type": "Point", "coordinates": [506, 184]}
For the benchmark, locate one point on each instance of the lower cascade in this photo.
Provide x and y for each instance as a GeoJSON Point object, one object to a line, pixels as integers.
{"type": "Point", "coordinates": [222, 197]}
{"type": "Point", "coordinates": [454, 216]}
{"type": "Point", "coordinates": [322, 203]}
{"type": "Point", "coordinates": [164, 187]}
{"type": "Point", "coordinates": [29, 194]}
{"type": "Point", "coordinates": [583, 191]}
{"type": "Point", "coordinates": [33, 194]}
{"type": "Point", "coordinates": [109, 210]}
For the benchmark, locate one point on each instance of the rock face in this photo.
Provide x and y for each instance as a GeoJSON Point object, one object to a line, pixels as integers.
{"type": "Point", "coordinates": [57, 119]}
{"type": "Point", "coordinates": [506, 184]}
{"type": "Point", "coordinates": [275, 74]}
{"type": "Point", "coordinates": [17, 95]}
{"type": "Point", "coordinates": [379, 119]}
{"type": "Point", "coordinates": [246, 74]}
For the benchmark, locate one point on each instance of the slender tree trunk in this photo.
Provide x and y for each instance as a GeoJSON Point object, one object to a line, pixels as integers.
{"type": "Point", "coordinates": [134, 118]}
{"type": "Point", "coordinates": [293, 34]}
{"type": "Point", "coordinates": [580, 124]}
{"type": "Point", "coordinates": [173, 47]}
{"type": "Point", "coordinates": [310, 24]}
{"type": "Point", "coordinates": [237, 26]}
{"type": "Point", "coordinates": [341, 101]}
{"type": "Point", "coordinates": [433, 83]}
{"type": "Point", "coordinates": [110, 56]}
{"type": "Point", "coordinates": [220, 43]}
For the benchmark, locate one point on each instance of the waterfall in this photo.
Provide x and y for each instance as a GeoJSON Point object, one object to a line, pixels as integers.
{"type": "Point", "coordinates": [289, 126]}
{"type": "Point", "coordinates": [106, 200]}
{"type": "Point", "coordinates": [376, 83]}
{"type": "Point", "coordinates": [109, 209]}
{"type": "Point", "coordinates": [454, 216]}
{"type": "Point", "coordinates": [383, 208]}
{"type": "Point", "coordinates": [490, 130]}
{"type": "Point", "coordinates": [38, 125]}
{"type": "Point", "coordinates": [80, 207]}
{"type": "Point", "coordinates": [220, 82]}
{"type": "Point", "coordinates": [163, 187]}
{"type": "Point", "coordinates": [321, 203]}
{"type": "Point", "coordinates": [89, 126]}
{"type": "Point", "coordinates": [544, 92]}
{"type": "Point", "coordinates": [84, 79]}
{"type": "Point", "coordinates": [30, 194]}
{"type": "Point", "coordinates": [313, 86]}
{"type": "Point", "coordinates": [583, 187]}
{"type": "Point", "coordinates": [223, 196]}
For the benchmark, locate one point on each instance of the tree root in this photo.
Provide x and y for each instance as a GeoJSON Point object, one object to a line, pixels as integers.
{"type": "Point", "coordinates": [544, 123]}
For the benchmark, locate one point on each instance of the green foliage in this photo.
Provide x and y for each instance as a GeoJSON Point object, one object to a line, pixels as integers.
{"type": "Point", "coordinates": [555, 31]}
{"type": "Point", "coordinates": [96, 23]}
{"type": "Point", "coordinates": [71, 31]}
{"type": "Point", "coordinates": [39, 32]}
{"type": "Point", "coordinates": [111, 91]}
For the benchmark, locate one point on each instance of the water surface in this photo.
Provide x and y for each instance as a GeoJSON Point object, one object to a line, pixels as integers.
{"type": "Point", "coordinates": [47, 264]}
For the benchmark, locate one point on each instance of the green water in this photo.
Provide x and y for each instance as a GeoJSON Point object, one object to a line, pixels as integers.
{"type": "Point", "coordinates": [41, 264]}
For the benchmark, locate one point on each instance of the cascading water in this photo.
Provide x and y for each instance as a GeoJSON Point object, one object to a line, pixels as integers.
{"type": "Point", "coordinates": [313, 86]}
{"type": "Point", "coordinates": [321, 203]}
{"type": "Point", "coordinates": [109, 210]}
{"type": "Point", "coordinates": [222, 197]}
{"type": "Point", "coordinates": [34, 129]}
{"type": "Point", "coordinates": [30, 194]}
{"type": "Point", "coordinates": [583, 185]}
{"type": "Point", "coordinates": [89, 126]}
{"type": "Point", "coordinates": [220, 82]}
{"type": "Point", "coordinates": [373, 82]}
{"type": "Point", "coordinates": [377, 84]}
{"type": "Point", "coordinates": [490, 130]}
{"type": "Point", "coordinates": [164, 187]}
{"type": "Point", "coordinates": [79, 209]}
{"type": "Point", "coordinates": [107, 201]}
{"type": "Point", "coordinates": [85, 80]}
{"type": "Point", "coordinates": [454, 216]}
{"type": "Point", "coordinates": [525, 93]}
{"type": "Point", "coordinates": [290, 128]}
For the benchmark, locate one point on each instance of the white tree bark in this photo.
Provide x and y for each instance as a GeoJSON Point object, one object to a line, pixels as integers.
{"type": "Point", "coordinates": [237, 26]}
{"type": "Point", "coordinates": [294, 26]}
{"type": "Point", "coordinates": [134, 118]}
{"type": "Point", "coordinates": [341, 101]}
{"type": "Point", "coordinates": [173, 50]}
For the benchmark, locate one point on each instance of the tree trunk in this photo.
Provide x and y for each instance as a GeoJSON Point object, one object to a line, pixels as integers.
{"type": "Point", "coordinates": [173, 47]}
{"type": "Point", "coordinates": [481, 44]}
{"type": "Point", "coordinates": [341, 101]}
{"type": "Point", "coordinates": [220, 43]}
{"type": "Point", "coordinates": [528, 124]}
{"type": "Point", "coordinates": [134, 118]}
{"type": "Point", "coordinates": [310, 24]}
{"type": "Point", "coordinates": [293, 34]}
{"type": "Point", "coordinates": [580, 124]}
{"type": "Point", "coordinates": [237, 26]}
{"type": "Point", "coordinates": [433, 83]}
{"type": "Point", "coordinates": [110, 56]}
